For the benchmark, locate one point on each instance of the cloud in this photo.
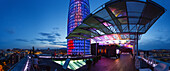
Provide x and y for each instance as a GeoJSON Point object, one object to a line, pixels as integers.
{"type": "Point", "coordinates": [53, 43]}
{"type": "Point", "coordinates": [22, 40]}
{"type": "Point", "coordinates": [51, 46]}
{"type": "Point", "coordinates": [45, 34]}
{"type": "Point", "coordinates": [51, 36]}
{"type": "Point", "coordinates": [57, 34]}
{"type": "Point", "coordinates": [62, 42]}
{"type": "Point", "coordinates": [59, 43]}
{"type": "Point", "coordinates": [43, 43]}
{"type": "Point", "coordinates": [48, 39]}
{"type": "Point", "coordinates": [55, 28]}
{"type": "Point", "coordinates": [10, 31]}
{"type": "Point", "coordinates": [157, 43]}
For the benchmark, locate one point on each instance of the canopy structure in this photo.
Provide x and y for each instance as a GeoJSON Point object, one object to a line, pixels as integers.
{"type": "Point", "coordinates": [122, 17]}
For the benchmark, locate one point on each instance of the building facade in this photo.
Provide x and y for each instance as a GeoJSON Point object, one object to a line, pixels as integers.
{"type": "Point", "coordinates": [78, 10]}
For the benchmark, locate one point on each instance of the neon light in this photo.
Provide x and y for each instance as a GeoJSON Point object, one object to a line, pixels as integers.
{"type": "Point", "coordinates": [101, 50]}
{"type": "Point", "coordinates": [117, 51]}
{"type": "Point", "coordinates": [105, 51]}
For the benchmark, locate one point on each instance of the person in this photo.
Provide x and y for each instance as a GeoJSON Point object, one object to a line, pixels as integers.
{"type": "Point", "coordinates": [36, 62]}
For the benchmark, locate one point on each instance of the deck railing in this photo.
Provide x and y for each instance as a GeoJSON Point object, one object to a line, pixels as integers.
{"type": "Point", "coordinates": [153, 62]}
{"type": "Point", "coordinates": [24, 64]}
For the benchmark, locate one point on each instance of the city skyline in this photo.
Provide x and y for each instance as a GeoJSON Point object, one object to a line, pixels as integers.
{"type": "Point", "coordinates": [43, 24]}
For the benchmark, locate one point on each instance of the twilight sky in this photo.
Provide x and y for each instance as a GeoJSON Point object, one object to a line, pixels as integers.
{"type": "Point", "coordinates": [43, 24]}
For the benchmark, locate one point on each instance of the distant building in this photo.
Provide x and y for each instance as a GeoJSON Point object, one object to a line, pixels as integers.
{"type": "Point", "coordinates": [8, 53]}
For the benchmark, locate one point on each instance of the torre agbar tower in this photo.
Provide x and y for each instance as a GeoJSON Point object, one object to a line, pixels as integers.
{"type": "Point", "coordinates": [78, 10]}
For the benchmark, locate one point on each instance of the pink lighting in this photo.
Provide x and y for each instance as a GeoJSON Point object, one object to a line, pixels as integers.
{"type": "Point", "coordinates": [117, 51]}
{"type": "Point", "coordinates": [122, 43]}
{"type": "Point", "coordinates": [117, 12]}
{"type": "Point", "coordinates": [106, 24]}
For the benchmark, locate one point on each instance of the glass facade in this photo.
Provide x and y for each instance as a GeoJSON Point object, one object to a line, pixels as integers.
{"type": "Point", "coordinates": [78, 10]}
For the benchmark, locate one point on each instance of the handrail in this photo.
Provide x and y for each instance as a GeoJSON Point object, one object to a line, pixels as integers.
{"type": "Point", "coordinates": [16, 64]}
{"type": "Point", "coordinates": [159, 61]}
{"type": "Point", "coordinates": [153, 62]}
{"type": "Point", "coordinates": [26, 65]}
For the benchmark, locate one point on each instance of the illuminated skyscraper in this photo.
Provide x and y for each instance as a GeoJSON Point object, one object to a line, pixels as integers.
{"type": "Point", "coordinates": [78, 10]}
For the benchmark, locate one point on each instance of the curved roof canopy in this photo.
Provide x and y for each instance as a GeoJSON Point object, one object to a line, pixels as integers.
{"type": "Point", "coordinates": [119, 17]}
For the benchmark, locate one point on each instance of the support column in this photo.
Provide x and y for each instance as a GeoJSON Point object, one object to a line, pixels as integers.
{"type": "Point", "coordinates": [137, 45]}
{"type": "Point", "coordinates": [96, 48]}
{"type": "Point", "coordinates": [79, 48]}
{"type": "Point", "coordinates": [84, 47]}
{"type": "Point", "coordinates": [134, 48]}
{"type": "Point", "coordinates": [137, 37]}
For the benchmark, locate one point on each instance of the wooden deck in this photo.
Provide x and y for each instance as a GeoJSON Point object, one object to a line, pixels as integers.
{"type": "Point", "coordinates": [124, 63]}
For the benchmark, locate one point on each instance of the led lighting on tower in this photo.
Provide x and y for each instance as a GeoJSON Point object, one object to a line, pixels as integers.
{"type": "Point", "coordinates": [78, 10]}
